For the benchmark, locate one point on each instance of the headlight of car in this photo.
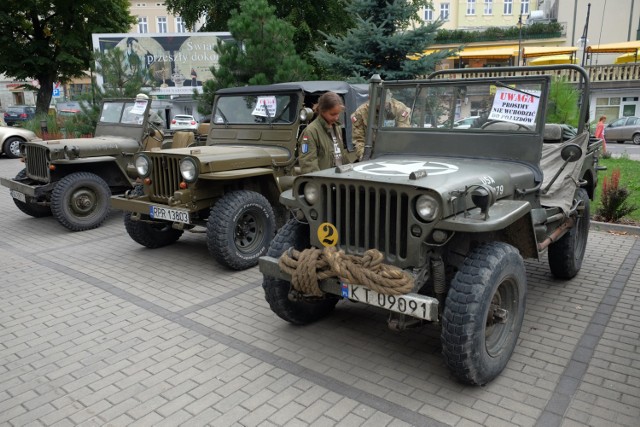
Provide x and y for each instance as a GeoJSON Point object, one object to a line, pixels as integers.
{"type": "Point", "coordinates": [427, 207]}
{"type": "Point", "coordinates": [188, 169]}
{"type": "Point", "coordinates": [143, 166]}
{"type": "Point", "coordinates": [311, 193]}
{"type": "Point", "coordinates": [306, 114]}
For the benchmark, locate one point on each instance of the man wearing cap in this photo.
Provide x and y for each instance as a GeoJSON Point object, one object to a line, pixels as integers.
{"type": "Point", "coordinates": [396, 114]}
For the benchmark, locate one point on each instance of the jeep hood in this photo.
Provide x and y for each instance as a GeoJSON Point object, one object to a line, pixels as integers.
{"type": "Point", "coordinates": [444, 175]}
{"type": "Point", "coordinates": [216, 158]}
{"type": "Point", "coordinates": [90, 147]}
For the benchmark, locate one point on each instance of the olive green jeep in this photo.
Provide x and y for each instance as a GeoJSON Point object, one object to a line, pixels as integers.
{"type": "Point", "coordinates": [73, 179]}
{"type": "Point", "coordinates": [231, 185]}
{"type": "Point", "coordinates": [434, 223]}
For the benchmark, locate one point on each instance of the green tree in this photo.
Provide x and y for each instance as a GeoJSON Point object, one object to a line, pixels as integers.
{"type": "Point", "coordinates": [563, 103]}
{"type": "Point", "coordinates": [50, 40]}
{"type": "Point", "coordinates": [308, 17]}
{"type": "Point", "coordinates": [263, 53]}
{"type": "Point", "coordinates": [381, 42]}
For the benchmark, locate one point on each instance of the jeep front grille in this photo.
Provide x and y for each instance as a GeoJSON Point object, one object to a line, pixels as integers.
{"type": "Point", "coordinates": [369, 218]}
{"type": "Point", "coordinates": [165, 175]}
{"type": "Point", "coordinates": [37, 163]}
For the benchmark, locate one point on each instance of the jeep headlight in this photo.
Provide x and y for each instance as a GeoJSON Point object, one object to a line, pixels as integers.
{"type": "Point", "coordinates": [427, 207]}
{"type": "Point", "coordinates": [311, 193]}
{"type": "Point", "coordinates": [188, 169]}
{"type": "Point", "coordinates": [143, 166]}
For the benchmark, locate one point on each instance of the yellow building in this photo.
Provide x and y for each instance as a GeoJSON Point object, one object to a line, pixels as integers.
{"type": "Point", "coordinates": [478, 14]}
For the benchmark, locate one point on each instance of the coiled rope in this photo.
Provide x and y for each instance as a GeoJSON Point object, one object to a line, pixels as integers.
{"type": "Point", "coordinates": [312, 265]}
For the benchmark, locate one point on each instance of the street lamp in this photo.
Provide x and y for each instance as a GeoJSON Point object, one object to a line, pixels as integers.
{"type": "Point", "coordinates": [519, 24]}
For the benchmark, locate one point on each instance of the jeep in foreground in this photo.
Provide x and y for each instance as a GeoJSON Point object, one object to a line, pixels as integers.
{"type": "Point", "coordinates": [434, 223]}
{"type": "Point", "coordinates": [230, 187]}
{"type": "Point", "coordinates": [74, 178]}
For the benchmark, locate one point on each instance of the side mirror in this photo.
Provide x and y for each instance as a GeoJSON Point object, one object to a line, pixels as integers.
{"type": "Point", "coordinates": [571, 153]}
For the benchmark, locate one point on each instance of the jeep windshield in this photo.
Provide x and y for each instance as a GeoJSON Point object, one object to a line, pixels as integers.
{"type": "Point", "coordinates": [505, 117]}
{"type": "Point", "coordinates": [256, 109]}
{"type": "Point", "coordinates": [487, 106]}
{"type": "Point", "coordinates": [124, 112]}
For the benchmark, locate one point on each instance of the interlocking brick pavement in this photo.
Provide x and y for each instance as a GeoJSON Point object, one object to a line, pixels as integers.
{"type": "Point", "coordinates": [97, 330]}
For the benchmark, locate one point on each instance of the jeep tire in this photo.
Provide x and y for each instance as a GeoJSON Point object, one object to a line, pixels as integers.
{"type": "Point", "coordinates": [80, 201]}
{"type": "Point", "coordinates": [240, 228]}
{"type": "Point", "coordinates": [149, 233]}
{"type": "Point", "coordinates": [566, 255]}
{"type": "Point", "coordinates": [293, 234]}
{"type": "Point", "coordinates": [12, 147]}
{"type": "Point", "coordinates": [483, 312]}
{"type": "Point", "coordinates": [30, 208]}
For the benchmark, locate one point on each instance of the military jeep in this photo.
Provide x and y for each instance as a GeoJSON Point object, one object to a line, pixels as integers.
{"type": "Point", "coordinates": [74, 178]}
{"type": "Point", "coordinates": [434, 223]}
{"type": "Point", "coordinates": [230, 186]}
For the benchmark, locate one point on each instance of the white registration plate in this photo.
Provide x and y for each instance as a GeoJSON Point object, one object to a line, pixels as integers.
{"type": "Point", "coordinates": [420, 306]}
{"type": "Point", "coordinates": [175, 215]}
{"type": "Point", "coordinates": [18, 196]}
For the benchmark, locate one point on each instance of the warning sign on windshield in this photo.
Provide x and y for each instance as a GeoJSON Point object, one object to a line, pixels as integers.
{"type": "Point", "coordinates": [515, 106]}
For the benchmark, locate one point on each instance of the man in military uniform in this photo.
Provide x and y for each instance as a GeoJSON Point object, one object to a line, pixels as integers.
{"type": "Point", "coordinates": [396, 115]}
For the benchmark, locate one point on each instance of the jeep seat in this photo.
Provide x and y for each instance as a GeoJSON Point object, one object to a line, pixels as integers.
{"type": "Point", "coordinates": [552, 133]}
{"type": "Point", "coordinates": [182, 139]}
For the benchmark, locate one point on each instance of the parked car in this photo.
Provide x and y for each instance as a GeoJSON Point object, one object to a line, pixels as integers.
{"type": "Point", "coordinates": [184, 122]}
{"type": "Point", "coordinates": [19, 114]}
{"type": "Point", "coordinates": [10, 139]}
{"type": "Point", "coordinates": [623, 129]}
{"type": "Point", "coordinates": [465, 123]}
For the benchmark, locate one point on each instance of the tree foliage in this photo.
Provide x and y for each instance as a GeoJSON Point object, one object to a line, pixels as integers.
{"type": "Point", "coordinates": [263, 53]}
{"type": "Point", "coordinates": [563, 103]}
{"type": "Point", "coordinates": [50, 40]}
{"type": "Point", "coordinates": [384, 34]}
{"type": "Point", "coordinates": [308, 17]}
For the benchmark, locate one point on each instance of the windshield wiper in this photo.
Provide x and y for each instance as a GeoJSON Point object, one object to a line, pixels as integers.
{"type": "Point", "coordinates": [223, 117]}
{"type": "Point", "coordinates": [498, 83]}
{"type": "Point", "coordinates": [276, 118]}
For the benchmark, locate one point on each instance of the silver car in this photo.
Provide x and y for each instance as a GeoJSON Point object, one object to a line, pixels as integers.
{"type": "Point", "coordinates": [623, 129]}
{"type": "Point", "coordinates": [10, 139]}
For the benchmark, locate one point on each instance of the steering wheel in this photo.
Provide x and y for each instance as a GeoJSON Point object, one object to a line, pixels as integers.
{"type": "Point", "coordinates": [491, 122]}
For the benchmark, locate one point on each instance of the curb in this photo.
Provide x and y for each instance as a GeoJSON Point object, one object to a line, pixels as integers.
{"type": "Point", "coordinates": [615, 228]}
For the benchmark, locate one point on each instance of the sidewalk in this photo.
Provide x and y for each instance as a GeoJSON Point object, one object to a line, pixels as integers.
{"type": "Point", "coordinates": [97, 330]}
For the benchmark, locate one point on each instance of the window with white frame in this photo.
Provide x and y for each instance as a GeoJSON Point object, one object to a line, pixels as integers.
{"type": "Point", "coordinates": [143, 27]}
{"type": "Point", "coordinates": [488, 7]}
{"type": "Point", "coordinates": [180, 28]}
{"type": "Point", "coordinates": [428, 14]}
{"type": "Point", "coordinates": [444, 11]}
{"type": "Point", "coordinates": [508, 7]}
{"type": "Point", "coordinates": [162, 24]}
{"type": "Point", "coordinates": [524, 7]}
{"type": "Point", "coordinates": [471, 7]}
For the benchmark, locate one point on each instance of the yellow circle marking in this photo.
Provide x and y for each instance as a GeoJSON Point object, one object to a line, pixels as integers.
{"type": "Point", "coordinates": [327, 234]}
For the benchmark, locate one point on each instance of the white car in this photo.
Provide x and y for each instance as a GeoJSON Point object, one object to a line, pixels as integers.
{"type": "Point", "coordinates": [464, 123]}
{"type": "Point", "coordinates": [11, 137]}
{"type": "Point", "coordinates": [184, 122]}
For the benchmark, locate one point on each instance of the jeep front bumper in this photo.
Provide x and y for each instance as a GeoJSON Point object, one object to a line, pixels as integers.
{"type": "Point", "coordinates": [32, 191]}
{"type": "Point", "coordinates": [411, 304]}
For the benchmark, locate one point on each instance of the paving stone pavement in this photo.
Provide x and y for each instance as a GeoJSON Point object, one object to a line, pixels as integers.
{"type": "Point", "coordinates": [97, 330]}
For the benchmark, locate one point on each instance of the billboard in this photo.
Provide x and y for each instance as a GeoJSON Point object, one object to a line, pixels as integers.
{"type": "Point", "coordinates": [178, 62]}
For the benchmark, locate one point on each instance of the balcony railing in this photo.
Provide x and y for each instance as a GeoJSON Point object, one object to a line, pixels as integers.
{"type": "Point", "coordinates": [597, 73]}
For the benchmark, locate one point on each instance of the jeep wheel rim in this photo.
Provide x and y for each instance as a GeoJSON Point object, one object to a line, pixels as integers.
{"type": "Point", "coordinates": [83, 201]}
{"type": "Point", "coordinates": [249, 231]}
{"type": "Point", "coordinates": [502, 313]}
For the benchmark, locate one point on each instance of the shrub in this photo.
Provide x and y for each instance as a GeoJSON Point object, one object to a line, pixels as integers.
{"type": "Point", "coordinates": [614, 199]}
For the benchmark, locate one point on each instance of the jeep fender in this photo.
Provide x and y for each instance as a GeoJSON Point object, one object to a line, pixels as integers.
{"type": "Point", "coordinates": [105, 167]}
{"type": "Point", "coordinates": [508, 220]}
